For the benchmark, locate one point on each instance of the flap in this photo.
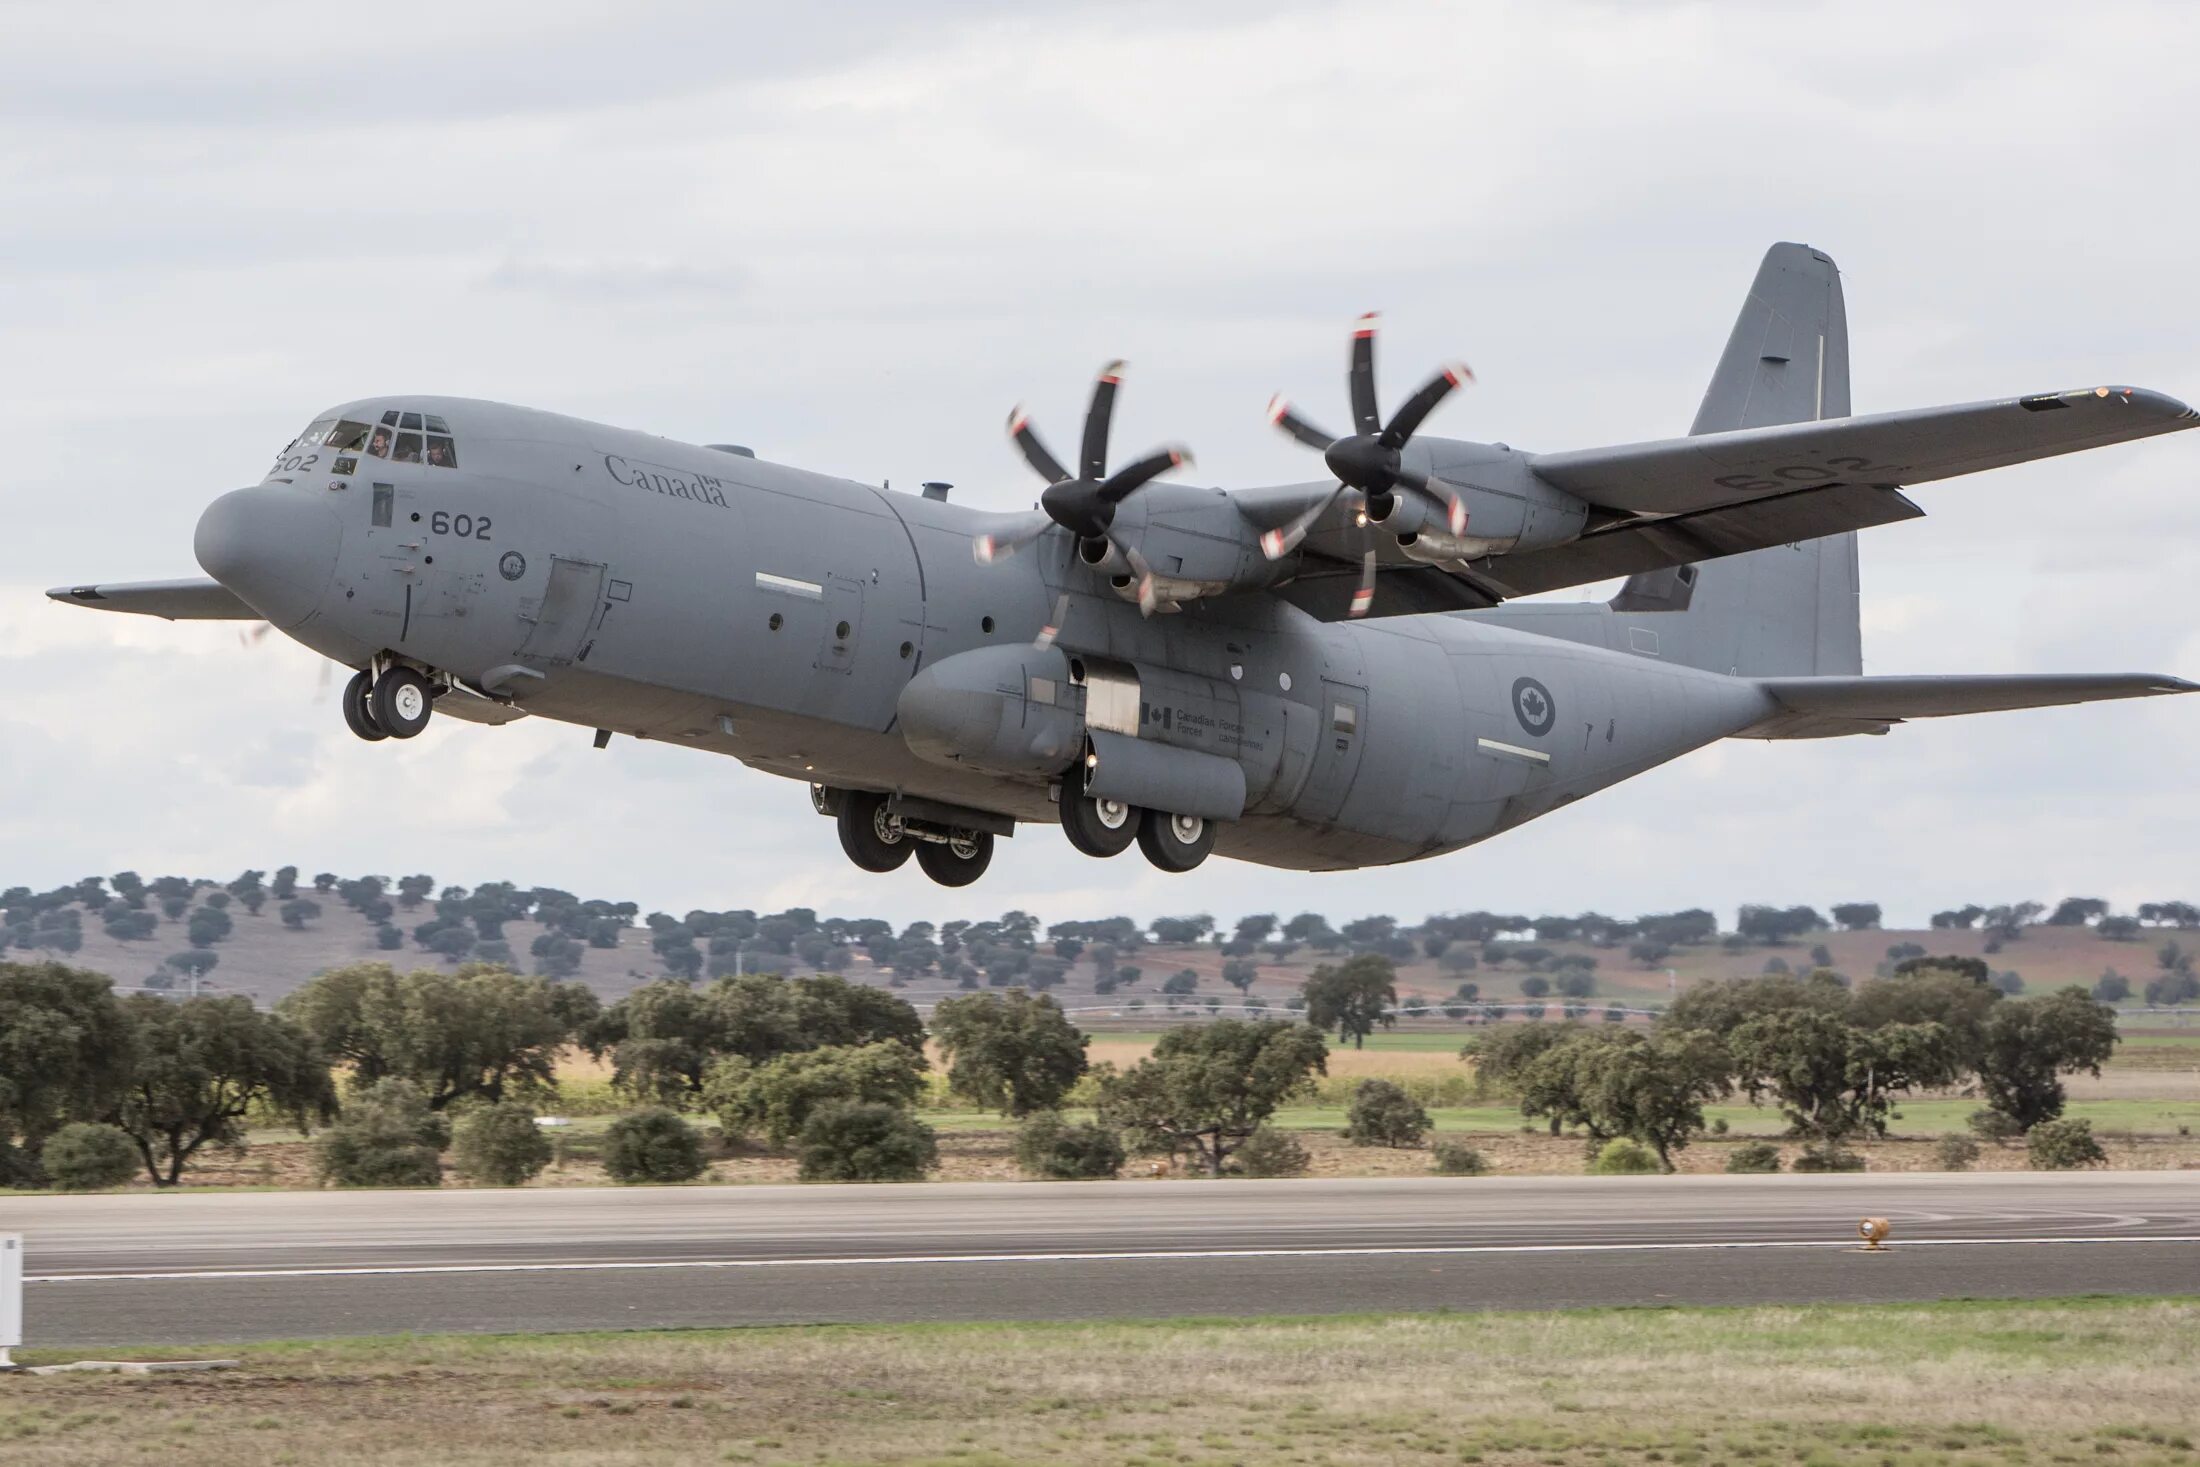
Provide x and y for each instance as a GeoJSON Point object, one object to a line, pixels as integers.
{"type": "Point", "coordinates": [1679, 475]}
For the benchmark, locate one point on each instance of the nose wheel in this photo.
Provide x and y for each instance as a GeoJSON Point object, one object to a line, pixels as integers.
{"type": "Point", "coordinates": [395, 705]}
{"type": "Point", "coordinates": [1175, 842]}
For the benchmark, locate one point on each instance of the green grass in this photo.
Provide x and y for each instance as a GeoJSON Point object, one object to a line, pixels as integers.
{"type": "Point", "coordinates": [2114, 1383]}
{"type": "Point", "coordinates": [1916, 1118]}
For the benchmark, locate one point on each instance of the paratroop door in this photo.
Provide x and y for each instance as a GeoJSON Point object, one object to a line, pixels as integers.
{"type": "Point", "coordinates": [1336, 752]}
{"type": "Point", "coordinates": [561, 620]}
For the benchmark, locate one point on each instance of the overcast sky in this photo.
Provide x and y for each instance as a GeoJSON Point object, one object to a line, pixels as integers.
{"type": "Point", "coordinates": [853, 235]}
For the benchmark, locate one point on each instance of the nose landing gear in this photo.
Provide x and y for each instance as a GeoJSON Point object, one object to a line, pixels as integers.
{"type": "Point", "coordinates": [394, 704]}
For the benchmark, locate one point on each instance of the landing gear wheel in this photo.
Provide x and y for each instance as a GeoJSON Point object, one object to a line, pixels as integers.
{"type": "Point", "coordinates": [873, 839]}
{"type": "Point", "coordinates": [958, 861]}
{"type": "Point", "coordinates": [401, 702]}
{"type": "Point", "coordinates": [1096, 827]}
{"type": "Point", "coordinates": [359, 709]}
{"type": "Point", "coordinates": [1175, 842]}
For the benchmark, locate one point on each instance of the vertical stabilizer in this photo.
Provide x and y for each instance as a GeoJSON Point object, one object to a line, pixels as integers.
{"type": "Point", "coordinates": [1790, 610]}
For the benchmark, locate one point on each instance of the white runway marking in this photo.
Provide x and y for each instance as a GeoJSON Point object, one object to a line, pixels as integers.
{"type": "Point", "coordinates": [1180, 1255]}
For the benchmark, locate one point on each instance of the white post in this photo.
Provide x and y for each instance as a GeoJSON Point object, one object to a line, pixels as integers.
{"type": "Point", "coordinates": [11, 1296]}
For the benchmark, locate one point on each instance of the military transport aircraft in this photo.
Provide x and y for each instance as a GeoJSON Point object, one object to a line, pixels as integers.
{"type": "Point", "coordinates": [1320, 675]}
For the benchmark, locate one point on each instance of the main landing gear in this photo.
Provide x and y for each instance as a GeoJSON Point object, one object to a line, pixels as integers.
{"type": "Point", "coordinates": [877, 838]}
{"type": "Point", "coordinates": [1108, 827]}
{"type": "Point", "coordinates": [394, 705]}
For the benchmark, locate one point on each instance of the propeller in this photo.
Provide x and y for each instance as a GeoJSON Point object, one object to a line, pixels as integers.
{"type": "Point", "coordinates": [1370, 460]}
{"type": "Point", "coordinates": [1084, 503]}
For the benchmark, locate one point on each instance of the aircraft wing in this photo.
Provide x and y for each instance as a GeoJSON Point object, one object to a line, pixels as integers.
{"type": "Point", "coordinates": [194, 600]}
{"type": "Point", "coordinates": [1717, 470]}
{"type": "Point", "coordinates": [1825, 707]}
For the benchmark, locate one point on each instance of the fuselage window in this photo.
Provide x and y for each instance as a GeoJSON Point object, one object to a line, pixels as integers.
{"type": "Point", "coordinates": [407, 449]}
{"type": "Point", "coordinates": [442, 453]}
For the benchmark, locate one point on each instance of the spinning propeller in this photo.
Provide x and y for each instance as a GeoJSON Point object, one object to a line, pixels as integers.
{"type": "Point", "coordinates": [1084, 504]}
{"type": "Point", "coordinates": [1371, 460]}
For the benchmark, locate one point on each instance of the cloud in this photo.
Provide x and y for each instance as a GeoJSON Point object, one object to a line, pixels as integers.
{"type": "Point", "coordinates": [853, 238]}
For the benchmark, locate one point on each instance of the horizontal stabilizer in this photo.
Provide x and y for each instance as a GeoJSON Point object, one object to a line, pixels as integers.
{"type": "Point", "coordinates": [1709, 470]}
{"type": "Point", "coordinates": [198, 600]}
{"type": "Point", "coordinates": [1824, 707]}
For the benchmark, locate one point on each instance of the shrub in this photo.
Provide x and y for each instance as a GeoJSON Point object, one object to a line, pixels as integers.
{"type": "Point", "coordinates": [1455, 1158]}
{"type": "Point", "coordinates": [652, 1145]}
{"type": "Point", "coordinates": [1048, 1146]}
{"type": "Point", "coordinates": [1269, 1152]}
{"type": "Point", "coordinates": [500, 1145]}
{"type": "Point", "coordinates": [1756, 1156]}
{"type": "Point", "coordinates": [1992, 1125]}
{"type": "Point", "coordinates": [2064, 1145]}
{"type": "Point", "coordinates": [1955, 1153]}
{"type": "Point", "coordinates": [1383, 1114]}
{"type": "Point", "coordinates": [865, 1141]}
{"type": "Point", "coordinates": [1827, 1158]}
{"type": "Point", "coordinates": [1623, 1158]}
{"type": "Point", "coordinates": [386, 1137]}
{"type": "Point", "coordinates": [83, 1157]}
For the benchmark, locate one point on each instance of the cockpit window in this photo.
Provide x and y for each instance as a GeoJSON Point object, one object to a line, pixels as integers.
{"type": "Point", "coordinates": [437, 425]}
{"type": "Point", "coordinates": [401, 436]}
{"type": "Point", "coordinates": [407, 449]}
{"type": "Point", "coordinates": [409, 420]}
{"type": "Point", "coordinates": [313, 434]}
{"type": "Point", "coordinates": [347, 436]}
{"type": "Point", "coordinates": [442, 453]}
{"type": "Point", "coordinates": [389, 419]}
{"type": "Point", "coordinates": [379, 444]}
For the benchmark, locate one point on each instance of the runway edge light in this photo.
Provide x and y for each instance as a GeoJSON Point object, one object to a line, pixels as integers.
{"type": "Point", "coordinates": [11, 1298]}
{"type": "Point", "coordinates": [1874, 1231]}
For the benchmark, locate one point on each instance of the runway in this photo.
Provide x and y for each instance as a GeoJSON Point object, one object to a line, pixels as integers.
{"type": "Point", "coordinates": [179, 1268]}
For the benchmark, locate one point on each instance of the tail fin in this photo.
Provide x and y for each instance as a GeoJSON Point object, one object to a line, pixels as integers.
{"type": "Point", "coordinates": [1790, 610]}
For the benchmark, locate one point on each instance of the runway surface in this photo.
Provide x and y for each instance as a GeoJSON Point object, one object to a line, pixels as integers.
{"type": "Point", "coordinates": [145, 1268]}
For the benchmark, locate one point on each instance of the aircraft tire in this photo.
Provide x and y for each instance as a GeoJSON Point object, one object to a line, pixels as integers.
{"type": "Point", "coordinates": [872, 839]}
{"type": "Point", "coordinates": [401, 703]}
{"type": "Point", "coordinates": [1095, 827]}
{"type": "Point", "coordinates": [1175, 842]}
{"type": "Point", "coordinates": [359, 709]}
{"type": "Point", "coordinates": [957, 862]}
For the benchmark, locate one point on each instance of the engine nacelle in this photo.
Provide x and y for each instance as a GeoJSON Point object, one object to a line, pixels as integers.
{"type": "Point", "coordinates": [1508, 508]}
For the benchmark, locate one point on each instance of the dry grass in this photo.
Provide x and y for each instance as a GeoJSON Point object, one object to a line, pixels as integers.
{"type": "Point", "coordinates": [2102, 1382]}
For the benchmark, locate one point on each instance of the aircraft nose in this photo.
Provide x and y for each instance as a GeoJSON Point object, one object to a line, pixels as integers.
{"type": "Point", "coordinates": [273, 545]}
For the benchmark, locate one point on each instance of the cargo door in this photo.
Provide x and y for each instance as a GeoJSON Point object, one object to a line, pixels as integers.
{"type": "Point", "coordinates": [559, 619]}
{"type": "Point", "coordinates": [1336, 752]}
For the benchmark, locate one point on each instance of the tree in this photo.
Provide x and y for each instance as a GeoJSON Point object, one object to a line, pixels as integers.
{"type": "Point", "coordinates": [2027, 1045]}
{"type": "Point", "coordinates": [1718, 1007]}
{"type": "Point", "coordinates": [2077, 912]}
{"type": "Point", "coordinates": [1269, 1152]}
{"type": "Point", "coordinates": [1833, 1080]}
{"type": "Point", "coordinates": [1181, 982]}
{"type": "Point", "coordinates": [1182, 931]}
{"type": "Point", "coordinates": [857, 1142]}
{"type": "Point", "coordinates": [779, 1096]}
{"type": "Point", "coordinates": [499, 1145]}
{"type": "Point", "coordinates": [1774, 926]}
{"type": "Point", "coordinates": [1241, 973]}
{"type": "Point", "coordinates": [1856, 916]}
{"type": "Point", "coordinates": [1009, 1052]}
{"type": "Point", "coordinates": [386, 1137]}
{"type": "Point", "coordinates": [297, 912]}
{"type": "Point", "coordinates": [2117, 929]}
{"type": "Point", "coordinates": [1057, 1150]}
{"type": "Point", "coordinates": [1947, 992]}
{"type": "Point", "coordinates": [192, 962]}
{"type": "Point", "coordinates": [1653, 1090]}
{"type": "Point", "coordinates": [1205, 1089]}
{"type": "Point", "coordinates": [1383, 1114]}
{"type": "Point", "coordinates": [2111, 987]}
{"type": "Point", "coordinates": [1352, 997]}
{"type": "Point", "coordinates": [84, 1156]}
{"type": "Point", "coordinates": [1535, 985]}
{"type": "Point", "coordinates": [203, 1065]}
{"type": "Point", "coordinates": [652, 1145]}
{"type": "Point", "coordinates": [64, 1052]}
{"type": "Point", "coordinates": [480, 1031]}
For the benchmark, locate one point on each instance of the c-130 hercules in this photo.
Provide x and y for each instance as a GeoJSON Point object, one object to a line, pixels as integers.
{"type": "Point", "coordinates": [1317, 675]}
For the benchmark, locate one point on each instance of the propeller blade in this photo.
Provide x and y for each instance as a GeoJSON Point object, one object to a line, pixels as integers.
{"type": "Point", "coordinates": [1283, 416]}
{"type": "Point", "coordinates": [1284, 539]}
{"type": "Point", "coordinates": [1053, 628]}
{"type": "Point", "coordinates": [1148, 598]}
{"type": "Point", "coordinates": [1097, 418]}
{"type": "Point", "coordinates": [1366, 418]}
{"type": "Point", "coordinates": [1035, 453]}
{"type": "Point", "coordinates": [1446, 498]}
{"type": "Point", "coordinates": [1000, 544]}
{"type": "Point", "coordinates": [1129, 480]}
{"type": "Point", "coordinates": [1364, 597]}
{"type": "Point", "coordinates": [1407, 420]}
